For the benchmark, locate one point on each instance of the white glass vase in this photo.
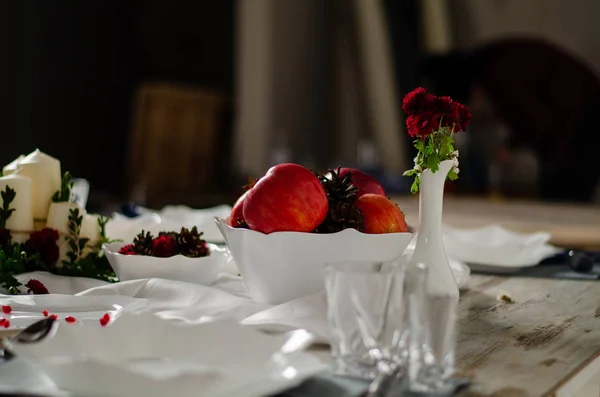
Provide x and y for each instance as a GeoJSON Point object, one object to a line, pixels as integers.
{"type": "Point", "coordinates": [429, 248]}
{"type": "Point", "coordinates": [431, 369]}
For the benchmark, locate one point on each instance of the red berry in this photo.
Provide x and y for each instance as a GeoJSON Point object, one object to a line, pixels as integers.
{"type": "Point", "coordinates": [6, 323]}
{"type": "Point", "coordinates": [70, 319]}
{"type": "Point", "coordinates": [6, 309]}
{"type": "Point", "coordinates": [53, 316]}
{"type": "Point", "coordinates": [46, 313]}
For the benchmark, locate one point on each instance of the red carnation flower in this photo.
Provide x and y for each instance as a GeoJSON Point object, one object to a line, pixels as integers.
{"type": "Point", "coordinates": [44, 242]}
{"type": "Point", "coordinates": [164, 246]}
{"type": "Point", "coordinates": [5, 238]}
{"type": "Point", "coordinates": [417, 101]}
{"type": "Point", "coordinates": [36, 287]}
{"type": "Point", "coordinates": [6, 309]}
{"type": "Point", "coordinates": [128, 250]}
{"type": "Point", "coordinates": [464, 117]}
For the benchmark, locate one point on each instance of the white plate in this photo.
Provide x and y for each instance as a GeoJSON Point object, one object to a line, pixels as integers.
{"type": "Point", "coordinates": [201, 271]}
{"type": "Point", "coordinates": [170, 218]}
{"type": "Point", "coordinates": [26, 309]}
{"type": "Point", "coordinates": [143, 355]}
{"type": "Point", "coordinates": [494, 246]}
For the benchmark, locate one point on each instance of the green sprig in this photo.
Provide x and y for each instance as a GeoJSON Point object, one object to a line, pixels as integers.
{"type": "Point", "coordinates": [8, 195]}
{"type": "Point", "coordinates": [431, 151]}
{"type": "Point", "coordinates": [66, 186]}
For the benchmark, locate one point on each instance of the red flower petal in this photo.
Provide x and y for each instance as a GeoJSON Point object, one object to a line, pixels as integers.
{"type": "Point", "coordinates": [105, 319]}
{"type": "Point", "coordinates": [53, 317]}
{"type": "Point", "coordinates": [46, 313]}
{"type": "Point", "coordinates": [6, 323]}
{"type": "Point", "coordinates": [70, 319]}
{"type": "Point", "coordinates": [6, 309]}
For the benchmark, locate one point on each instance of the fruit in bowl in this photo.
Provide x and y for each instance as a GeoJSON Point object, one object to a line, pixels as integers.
{"type": "Point", "coordinates": [182, 256]}
{"type": "Point", "coordinates": [297, 221]}
{"type": "Point", "coordinates": [288, 198]}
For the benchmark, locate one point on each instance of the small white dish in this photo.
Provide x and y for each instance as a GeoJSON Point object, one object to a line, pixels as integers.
{"type": "Point", "coordinates": [202, 270]}
{"type": "Point", "coordinates": [26, 309]}
{"type": "Point", "coordinates": [496, 247]}
{"type": "Point", "coordinates": [283, 266]}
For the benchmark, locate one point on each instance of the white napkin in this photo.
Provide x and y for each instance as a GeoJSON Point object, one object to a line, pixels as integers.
{"type": "Point", "coordinates": [496, 246]}
{"type": "Point", "coordinates": [169, 218]}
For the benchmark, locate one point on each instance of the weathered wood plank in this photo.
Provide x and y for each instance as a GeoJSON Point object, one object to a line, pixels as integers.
{"type": "Point", "coordinates": [532, 346]}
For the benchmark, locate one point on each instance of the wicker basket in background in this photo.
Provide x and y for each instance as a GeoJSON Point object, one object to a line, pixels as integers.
{"type": "Point", "coordinates": [174, 144]}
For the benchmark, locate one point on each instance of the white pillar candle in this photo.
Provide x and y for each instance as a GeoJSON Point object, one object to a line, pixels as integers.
{"type": "Point", "coordinates": [12, 166]}
{"type": "Point", "coordinates": [90, 229]}
{"type": "Point", "coordinates": [44, 172]}
{"type": "Point", "coordinates": [20, 222]}
{"type": "Point", "coordinates": [58, 218]}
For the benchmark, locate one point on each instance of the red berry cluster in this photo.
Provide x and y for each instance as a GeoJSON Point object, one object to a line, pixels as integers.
{"type": "Point", "coordinates": [428, 113]}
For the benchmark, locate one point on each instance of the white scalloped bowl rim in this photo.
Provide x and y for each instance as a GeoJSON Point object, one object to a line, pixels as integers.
{"type": "Point", "coordinates": [224, 223]}
{"type": "Point", "coordinates": [203, 270]}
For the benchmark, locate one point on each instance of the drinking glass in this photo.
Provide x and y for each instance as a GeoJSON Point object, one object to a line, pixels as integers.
{"type": "Point", "coordinates": [367, 317]}
{"type": "Point", "coordinates": [432, 335]}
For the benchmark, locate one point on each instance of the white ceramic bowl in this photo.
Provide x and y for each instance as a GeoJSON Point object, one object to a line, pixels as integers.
{"type": "Point", "coordinates": [282, 266]}
{"type": "Point", "coordinates": [193, 270]}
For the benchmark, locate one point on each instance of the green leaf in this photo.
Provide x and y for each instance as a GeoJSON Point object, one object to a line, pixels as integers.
{"type": "Point", "coordinates": [410, 172]}
{"type": "Point", "coordinates": [415, 185]}
{"type": "Point", "coordinates": [66, 186]}
{"type": "Point", "coordinates": [452, 175]}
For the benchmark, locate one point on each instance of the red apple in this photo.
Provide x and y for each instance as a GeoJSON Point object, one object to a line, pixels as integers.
{"type": "Point", "coordinates": [381, 214]}
{"type": "Point", "coordinates": [236, 219]}
{"type": "Point", "coordinates": [364, 182]}
{"type": "Point", "coordinates": [288, 198]}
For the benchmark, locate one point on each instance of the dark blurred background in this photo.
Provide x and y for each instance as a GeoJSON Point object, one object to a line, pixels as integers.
{"type": "Point", "coordinates": [178, 102]}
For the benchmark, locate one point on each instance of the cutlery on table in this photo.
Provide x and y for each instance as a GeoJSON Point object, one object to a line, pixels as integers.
{"type": "Point", "coordinates": [34, 333]}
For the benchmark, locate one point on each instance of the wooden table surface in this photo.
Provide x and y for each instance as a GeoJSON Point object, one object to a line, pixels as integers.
{"type": "Point", "coordinates": [572, 226]}
{"type": "Point", "coordinates": [546, 343]}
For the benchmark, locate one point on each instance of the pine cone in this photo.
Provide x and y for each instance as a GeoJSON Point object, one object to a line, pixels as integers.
{"type": "Point", "coordinates": [341, 194]}
{"type": "Point", "coordinates": [191, 244]}
{"type": "Point", "coordinates": [342, 216]}
{"type": "Point", "coordinates": [142, 244]}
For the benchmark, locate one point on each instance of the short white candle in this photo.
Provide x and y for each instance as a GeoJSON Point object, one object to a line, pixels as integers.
{"type": "Point", "coordinates": [90, 229]}
{"type": "Point", "coordinates": [44, 172]}
{"type": "Point", "coordinates": [20, 222]}
{"type": "Point", "coordinates": [58, 216]}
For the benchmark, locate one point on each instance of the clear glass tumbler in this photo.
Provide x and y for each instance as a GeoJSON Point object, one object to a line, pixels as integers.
{"type": "Point", "coordinates": [432, 335]}
{"type": "Point", "coordinates": [367, 317]}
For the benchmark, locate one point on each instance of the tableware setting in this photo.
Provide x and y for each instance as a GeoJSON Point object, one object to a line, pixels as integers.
{"type": "Point", "coordinates": [309, 257]}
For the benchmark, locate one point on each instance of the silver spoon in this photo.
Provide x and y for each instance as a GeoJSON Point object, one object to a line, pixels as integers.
{"type": "Point", "coordinates": [34, 333]}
